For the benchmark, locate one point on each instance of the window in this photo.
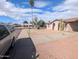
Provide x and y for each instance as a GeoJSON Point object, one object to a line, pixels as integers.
{"type": "Point", "coordinates": [3, 32]}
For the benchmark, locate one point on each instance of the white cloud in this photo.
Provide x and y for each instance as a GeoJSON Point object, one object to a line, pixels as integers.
{"type": "Point", "coordinates": [68, 4]}
{"type": "Point", "coordinates": [9, 9]}
{"type": "Point", "coordinates": [41, 4]}
{"type": "Point", "coordinates": [69, 8]}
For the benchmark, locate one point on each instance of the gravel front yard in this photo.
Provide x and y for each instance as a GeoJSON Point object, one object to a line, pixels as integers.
{"type": "Point", "coordinates": [55, 45]}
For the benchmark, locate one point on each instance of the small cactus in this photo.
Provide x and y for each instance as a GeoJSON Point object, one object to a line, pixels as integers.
{"type": "Point", "coordinates": [61, 25]}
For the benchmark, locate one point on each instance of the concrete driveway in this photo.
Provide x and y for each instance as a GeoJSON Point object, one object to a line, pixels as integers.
{"type": "Point", "coordinates": [24, 47]}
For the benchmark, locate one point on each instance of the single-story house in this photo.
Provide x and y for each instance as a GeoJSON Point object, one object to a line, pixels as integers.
{"type": "Point", "coordinates": [54, 25]}
{"type": "Point", "coordinates": [68, 25]}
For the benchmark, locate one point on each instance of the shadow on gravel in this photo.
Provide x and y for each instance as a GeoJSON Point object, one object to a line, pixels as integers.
{"type": "Point", "coordinates": [24, 49]}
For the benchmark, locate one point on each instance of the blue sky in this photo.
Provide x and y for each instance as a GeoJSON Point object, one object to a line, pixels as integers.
{"type": "Point", "coordinates": [17, 11]}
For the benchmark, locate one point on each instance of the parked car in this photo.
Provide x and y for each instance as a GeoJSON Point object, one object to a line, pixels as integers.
{"type": "Point", "coordinates": [7, 38]}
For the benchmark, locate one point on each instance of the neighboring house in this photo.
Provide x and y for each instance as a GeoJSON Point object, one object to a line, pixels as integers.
{"type": "Point", "coordinates": [49, 25]}
{"type": "Point", "coordinates": [68, 25]}
{"type": "Point", "coordinates": [28, 25]}
{"type": "Point", "coordinates": [54, 25]}
{"type": "Point", "coordinates": [71, 24]}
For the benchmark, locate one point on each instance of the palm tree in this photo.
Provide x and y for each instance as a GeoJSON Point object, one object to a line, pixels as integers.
{"type": "Point", "coordinates": [31, 2]}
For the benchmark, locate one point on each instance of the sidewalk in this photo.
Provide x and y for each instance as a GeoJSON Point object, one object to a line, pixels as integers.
{"type": "Point", "coordinates": [23, 34]}
{"type": "Point", "coordinates": [24, 47]}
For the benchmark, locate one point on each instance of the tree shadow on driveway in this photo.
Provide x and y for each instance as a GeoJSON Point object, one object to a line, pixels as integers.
{"type": "Point", "coordinates": [24, 49]}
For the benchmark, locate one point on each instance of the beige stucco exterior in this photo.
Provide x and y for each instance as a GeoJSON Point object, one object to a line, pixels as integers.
{"type": "Point", "coordinates": [56, 25]}
{"type": "Point", "coordinates": [68, 26]}
{"type": "Point", "coordinates": [53, 26]}
{"type": "Point", "coordinates": [49, 26]}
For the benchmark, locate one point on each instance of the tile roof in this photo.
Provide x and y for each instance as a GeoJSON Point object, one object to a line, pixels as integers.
{"type": "Point", "coordinates": [71, 20]}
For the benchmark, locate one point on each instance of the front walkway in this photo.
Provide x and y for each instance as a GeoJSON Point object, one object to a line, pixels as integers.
{"type": "Point", "coordinates": [24, 47]}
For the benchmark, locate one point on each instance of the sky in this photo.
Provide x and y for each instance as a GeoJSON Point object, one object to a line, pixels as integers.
{"type": "Point", "coordinates": [17, 11]}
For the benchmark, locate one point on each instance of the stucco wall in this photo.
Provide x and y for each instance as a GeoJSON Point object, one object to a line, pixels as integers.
{"type": "Point", "coordinates": [71, 26]}
{"type": "Point", "coordinates": [68, 28]}
{"type": "Point", "coordinates": [56, 25]}
{"type": "Point", "coordinates": [53, 26]}
{"type": "Point", "coordinates": [49, 26]}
